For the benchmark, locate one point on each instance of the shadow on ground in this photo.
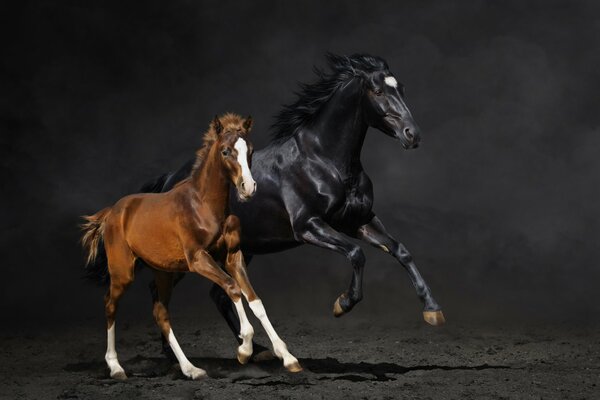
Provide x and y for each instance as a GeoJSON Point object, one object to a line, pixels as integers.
{"type": "Point", "coordinates": [230, 369]}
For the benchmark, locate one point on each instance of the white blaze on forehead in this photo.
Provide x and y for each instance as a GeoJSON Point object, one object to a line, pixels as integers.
{"type": "Point", "coordinates": [242, 158]}
{"type": "Point", "coordinates": [391, 81]}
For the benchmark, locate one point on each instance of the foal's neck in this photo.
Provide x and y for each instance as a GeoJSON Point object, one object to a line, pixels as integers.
{"type": "Point", "coordinates": [338, 133]}
{"type": "Point", "coordinates": [212, 184]}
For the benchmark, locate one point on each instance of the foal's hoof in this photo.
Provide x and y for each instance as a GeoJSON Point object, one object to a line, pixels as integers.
{"type": "Point", "coordinates": [435, 318]}
{"type": "Point", "coordinates": [341, 306]}
{"type": "Point", "coordinates": [195, 373]}
{"type": "Point", "coordinates": [119, 375]}
{"type": "Point", "coordinates": [243, 357]}
{"type": "Point", "coordinates": [294, 367]}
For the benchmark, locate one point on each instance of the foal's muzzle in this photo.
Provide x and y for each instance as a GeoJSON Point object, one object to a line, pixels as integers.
{"type": "Point", "coordinates": [246, 189]}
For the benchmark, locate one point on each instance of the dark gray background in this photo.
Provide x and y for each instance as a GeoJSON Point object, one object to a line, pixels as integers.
{"type": "Point", "coordinates": [498, 206]}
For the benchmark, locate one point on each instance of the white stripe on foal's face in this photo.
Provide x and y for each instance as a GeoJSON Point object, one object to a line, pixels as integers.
{"type": "Point", "coordinates": [391, 81]}
{"type": "Point", "coordinates": [249, 186]}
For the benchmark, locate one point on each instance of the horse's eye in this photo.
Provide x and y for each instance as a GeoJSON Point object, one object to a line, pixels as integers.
{"type": "Point", "coordinates": [226, 152]}
{"type": "Point", "coordinates": [378, 92]}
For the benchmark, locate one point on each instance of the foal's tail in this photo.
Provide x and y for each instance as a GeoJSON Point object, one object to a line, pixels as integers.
{"type": "Point", "coordinates": [93, 229]}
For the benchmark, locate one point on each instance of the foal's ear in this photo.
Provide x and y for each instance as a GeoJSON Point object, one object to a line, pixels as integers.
{"type": "Point", "coordinates": [216, 123]}
{"type": "Point", "coordinates": [248, 123]}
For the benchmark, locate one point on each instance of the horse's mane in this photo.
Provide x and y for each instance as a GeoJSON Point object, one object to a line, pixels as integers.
{"type": "Point", "coordinates": [313, 95]}
{"type": "Point", "coordinates": [228, 120]}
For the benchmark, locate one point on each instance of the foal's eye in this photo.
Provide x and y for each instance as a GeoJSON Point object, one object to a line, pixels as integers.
{"type": "Point", "coordinates": [378, 92]}
{"type": "Point", "coordinates": [226, 152]}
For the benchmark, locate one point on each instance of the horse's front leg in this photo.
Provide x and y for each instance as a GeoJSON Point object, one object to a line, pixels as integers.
{"type": "Point", "coordinates": [317, 232]}
{"type": "Point", "coordinates": [375, 234]}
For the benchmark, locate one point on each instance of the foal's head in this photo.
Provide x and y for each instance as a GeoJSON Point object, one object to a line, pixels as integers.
{"type": "Point", "coordinates": [235, 151]}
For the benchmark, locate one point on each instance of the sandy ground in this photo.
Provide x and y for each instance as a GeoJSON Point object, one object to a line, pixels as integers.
{"type": "Point", "coordinates": [346, 358]}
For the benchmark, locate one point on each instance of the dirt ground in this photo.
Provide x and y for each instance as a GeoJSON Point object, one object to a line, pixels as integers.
{"type": "Point", "coordinates": [345, 358]}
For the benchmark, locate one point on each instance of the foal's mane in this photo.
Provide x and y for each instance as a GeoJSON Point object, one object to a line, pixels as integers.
{"type": "Point", "coordinates": [312, 96]}
{"type": "Point", "coordinates": [228, 121]}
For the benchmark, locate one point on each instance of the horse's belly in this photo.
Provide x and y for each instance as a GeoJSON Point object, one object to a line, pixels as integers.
{"type": "Point", "coordinates": [356, 212]}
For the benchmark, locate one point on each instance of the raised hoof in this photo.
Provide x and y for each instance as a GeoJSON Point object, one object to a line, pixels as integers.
{"type": "Point", "coordinates": [195, 373]}
{"type": "Point", "coordinates": [337, 309]}
{"type": "Point", "coordinates": [341, 306]}
{"type": "Point", "coordinates": [294, 367]}
{"type": "Point", "coordinates": [243, 357]}
{"type": "Point", "coordinates": [119, 375]}
{"type": "Point", "coordinates": [265, 355]}
{"type": "Point", "coordinates": [435, 318]}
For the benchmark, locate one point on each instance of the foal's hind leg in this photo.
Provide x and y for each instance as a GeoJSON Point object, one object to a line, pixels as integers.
{"type": "Point", "coordinates": [177, 276]}
{"type": "Point", "coordinates": [164, 286]}
{"type": "Point", "coordinates": [120, 267]}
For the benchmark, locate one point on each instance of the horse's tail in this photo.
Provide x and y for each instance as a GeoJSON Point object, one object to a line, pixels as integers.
{"type": "Point", "coordinates": [93, 229]}
{"type": "Point", "coordinates": [155, 185]}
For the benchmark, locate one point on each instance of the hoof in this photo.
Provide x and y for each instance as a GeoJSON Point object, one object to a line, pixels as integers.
{"type": "Point", "coordinates": [341, 306]}
{"type": "Point", "coordinates": [337, 309]}
{"type": "Point", "coordinates": [195, 373]}
{"type": "Point", "coordinates": [265, 355]}
{"type": "Point", "coordinates": [435, 318]}
{"type": "Point", "coordinates": [294, 367]}
{"type": "Point", "coordinates": [119, 375]}
{"type": "Point", "coordinates": [243, 357]}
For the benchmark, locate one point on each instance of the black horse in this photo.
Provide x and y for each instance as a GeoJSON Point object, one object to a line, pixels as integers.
{"type": "Point", "coordinates": [311, 184]}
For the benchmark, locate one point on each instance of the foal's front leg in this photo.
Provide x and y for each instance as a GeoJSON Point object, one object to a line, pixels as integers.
{"type": "Point", "coordinates": [237, 269]}
{"type": "Point", "coordinates": [235, 266]}
{"type": "Point", "coordinates": [375, 234]}
{"type": "Point", "coordinates": [202, 263]}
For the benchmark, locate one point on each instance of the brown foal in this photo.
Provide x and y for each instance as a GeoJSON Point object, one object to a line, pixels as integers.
{"type": "Point", "coordinates": [187, 229]}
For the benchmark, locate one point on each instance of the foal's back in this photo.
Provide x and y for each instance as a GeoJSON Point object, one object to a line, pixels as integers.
{"type": "Point", "coordinates": [151, 225]}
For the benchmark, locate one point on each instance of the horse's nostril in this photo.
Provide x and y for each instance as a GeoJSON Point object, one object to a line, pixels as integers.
{"type": "Point", "coordinates": [243, 185]}
{"type": "Point", "coordinates": [409, 135]}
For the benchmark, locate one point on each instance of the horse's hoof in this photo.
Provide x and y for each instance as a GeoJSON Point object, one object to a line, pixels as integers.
{"type": "Point", "coordinates": [243, 357]}
{"type": "Point", "coordinates": [119, 375]}
{"type": "Point", "coordinates": [294, 367]}
{"type": "Point", "coordinates": [338, 309]}
{"type": "Point", "coordinates": [435, 318]}
{"type": "Point", "coordinates": [265, 355]}
{"type": "Point", "coordinates": [195, 373]}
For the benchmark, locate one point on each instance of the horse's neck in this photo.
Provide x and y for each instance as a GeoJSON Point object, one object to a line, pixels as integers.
{"type": "Point", "coordinates": [211, 184]}
{"type": "Point", "coordinates": [338, 133]}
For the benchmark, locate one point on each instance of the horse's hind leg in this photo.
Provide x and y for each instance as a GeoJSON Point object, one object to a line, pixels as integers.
{"type": "Point", "coordinates": [164, 286]}
{"type": "Point", "coordinates": [120, 266]}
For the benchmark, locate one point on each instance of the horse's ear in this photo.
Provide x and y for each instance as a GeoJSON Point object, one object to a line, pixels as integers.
{"type": "Point", "coordinates": [248, 124]}
{"type": "Point", "coordinates": [216, 123]}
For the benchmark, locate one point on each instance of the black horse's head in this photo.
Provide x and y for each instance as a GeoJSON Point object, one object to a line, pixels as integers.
{"type": "Point", "coordinates": [386, 110]}
{"type": "Point", "coordinates": [383, 102]}
{"type": "Point", "coordinates": [381, 98]}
